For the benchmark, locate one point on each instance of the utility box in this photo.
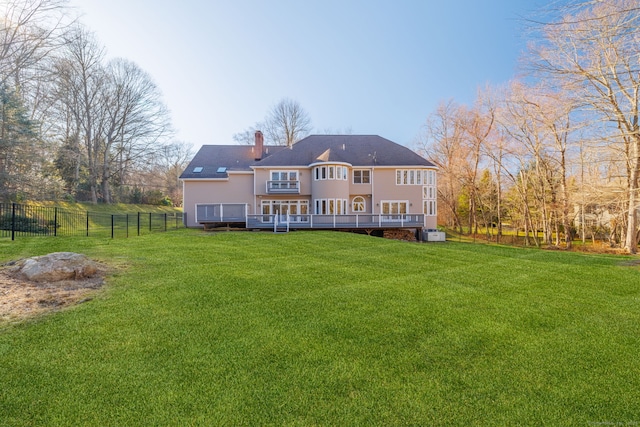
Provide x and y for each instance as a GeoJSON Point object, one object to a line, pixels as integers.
{"type": "Point", "coordinates": [434, 236]}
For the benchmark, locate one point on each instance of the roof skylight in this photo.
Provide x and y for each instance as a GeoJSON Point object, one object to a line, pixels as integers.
{"type": "Point", "coordinates": [222, 169]}
{"type": "Point", "coordinates": [197, 169]}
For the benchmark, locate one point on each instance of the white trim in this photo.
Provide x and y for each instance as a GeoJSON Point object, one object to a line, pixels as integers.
{"type": "Point", "coordinates": [203, 179]}
{"type": "Point", "coordinates": [364, 204]}
{"type": "Point", "coordinates": [280, 167]}
{"type": "Point", "coordinates": [353, 176]}
{"type": "Point", "coordinates": [330, 163]}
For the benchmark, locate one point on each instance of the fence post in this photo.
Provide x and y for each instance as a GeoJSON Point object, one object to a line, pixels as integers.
{"type": "Point", "coordinates": [112, 226]}
{"type": "Point", "coordinates": [165, 221]}
{"type": "Point", "coordinates": [149, 222]}
{"type": "Point", "coordinates": [55, 221]}
{"type": "Point", "coordinates": [87, 223]}
{"type": "Point", "coordinates": [13, 221]}
{"type": "Point", "coordinates": [127, 225]}
{"type": "Point", "coordinates": [138, 223]}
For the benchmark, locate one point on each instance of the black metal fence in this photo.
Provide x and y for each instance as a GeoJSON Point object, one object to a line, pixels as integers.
{"type": "Point", "coordinates": [29, 220]}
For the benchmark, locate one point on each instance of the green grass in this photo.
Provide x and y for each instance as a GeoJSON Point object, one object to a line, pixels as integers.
{"type": "Point", "coordinates": [322, 328]}
{"type": "Point", "coordinates": [113, 208]}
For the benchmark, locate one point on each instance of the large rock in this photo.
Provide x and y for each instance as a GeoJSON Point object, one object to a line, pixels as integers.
{"type": "Point", "coordinates": [57, 266]}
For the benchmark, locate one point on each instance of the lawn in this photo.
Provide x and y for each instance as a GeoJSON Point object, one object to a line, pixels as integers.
{"type": "Point", "coordinates": [327, 328]}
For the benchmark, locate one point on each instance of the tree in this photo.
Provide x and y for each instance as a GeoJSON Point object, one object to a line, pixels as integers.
{"type": "Point", "coordinates": [443, 143]}
{"type": "Point", "coordinates": [247, 136]}
{"type": "Point", "coordinates": [113, 108]}
{"type": "Point", "coordinates": [19, 160]}
{"type": "Point", "coordinates": [29, 32]}
{"type": "Point", "coordinates": [136, 122]}
{"type": "Point", "coordinates": [593, 51]}
{"type": "Point", "coordinates": [80, 80]}
{"type": "Point", "coordinates": [285, 124]}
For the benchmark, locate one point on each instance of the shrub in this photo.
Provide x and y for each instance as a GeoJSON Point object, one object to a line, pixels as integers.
{"type": "Point", "coordinates": [22, 223]}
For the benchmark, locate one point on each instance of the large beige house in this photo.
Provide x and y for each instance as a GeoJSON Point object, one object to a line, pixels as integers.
{"type": "Point", "coordinates": [321, 182]}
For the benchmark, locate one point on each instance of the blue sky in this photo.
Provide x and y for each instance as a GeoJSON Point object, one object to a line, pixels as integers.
{"type": "Point", "coordinates": [371, 66]}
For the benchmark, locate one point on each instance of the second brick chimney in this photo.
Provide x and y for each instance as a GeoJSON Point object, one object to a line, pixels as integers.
{"type": "Point", "coordinates": [257, 150]}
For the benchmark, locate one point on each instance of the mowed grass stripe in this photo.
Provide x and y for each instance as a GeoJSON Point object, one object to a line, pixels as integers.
{"type": "Point", "coordinates": [315, 328]}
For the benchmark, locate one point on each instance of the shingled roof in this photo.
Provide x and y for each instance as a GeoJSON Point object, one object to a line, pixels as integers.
{"type": "Point", "coordinates": [217, 161]}
{"type": "Point", "coordinates": [356, 150]}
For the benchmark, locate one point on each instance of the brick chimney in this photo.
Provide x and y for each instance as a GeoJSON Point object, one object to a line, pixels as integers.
{"type": "Point", "coordinates": [257, 150]}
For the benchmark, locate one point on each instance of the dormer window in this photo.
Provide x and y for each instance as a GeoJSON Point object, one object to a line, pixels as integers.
{"type": "Point", "coordinates": [197, 169]}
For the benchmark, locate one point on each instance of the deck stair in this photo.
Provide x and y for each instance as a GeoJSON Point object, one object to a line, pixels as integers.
{"type": "Point", "coordinates": [281, 223]}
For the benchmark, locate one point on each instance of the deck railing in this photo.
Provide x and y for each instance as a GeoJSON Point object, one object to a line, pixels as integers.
{"type": "Point", "coordinates": [283, 187]}
{"type": "Point", "coordinates": [340, 221]}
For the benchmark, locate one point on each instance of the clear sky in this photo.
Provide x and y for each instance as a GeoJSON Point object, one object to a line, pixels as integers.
{"type": "Point", "coordinates": [371, 66]}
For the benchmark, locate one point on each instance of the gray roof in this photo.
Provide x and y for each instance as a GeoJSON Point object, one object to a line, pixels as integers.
{"type": "Point", "coordinates": [357, 150]}
{"type": "Point", "coordinates": [232, 157]}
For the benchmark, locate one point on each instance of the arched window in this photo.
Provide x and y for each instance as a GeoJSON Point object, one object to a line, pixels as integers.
{"type": "Point", "coordinates": [358, 204]}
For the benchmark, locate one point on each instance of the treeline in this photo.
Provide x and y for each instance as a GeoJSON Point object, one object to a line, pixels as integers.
{"type": "Point", "coordinates": [74, 124]}
{"type": "Point", "coordinates": [556, 153]}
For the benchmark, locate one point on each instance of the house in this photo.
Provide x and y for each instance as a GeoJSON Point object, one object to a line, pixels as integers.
{"type": "Point", "coordinates": [321, 182]}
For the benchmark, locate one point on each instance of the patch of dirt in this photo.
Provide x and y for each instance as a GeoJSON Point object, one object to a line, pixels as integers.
{"type": "Point", "coordinates": [21, 299]}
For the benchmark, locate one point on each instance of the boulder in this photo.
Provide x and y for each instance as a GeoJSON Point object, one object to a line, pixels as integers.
{"type": "Point", "coordinates": [56, 266]}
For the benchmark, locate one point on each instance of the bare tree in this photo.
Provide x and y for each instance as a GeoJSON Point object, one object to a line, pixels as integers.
{"type": "Point", "coordinates": [593, 50]}
{"type": "Point", "coordinates": [285, 124]}
{"type": "Point", "coordinates": [80, 83]}
{"type": "Point", "coordinates": [478, 125]}
{"type": "Point", "coordinates": [29, 32]}
{"type": "Point", "coordinates": [247, 136]}
{"type": "Point", "coordinates": [136, 123]}
{"type": "Point", "coordinates": [443, 143]}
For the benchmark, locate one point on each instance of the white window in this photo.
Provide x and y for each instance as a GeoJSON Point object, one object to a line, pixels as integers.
{"type": "Point", "coordinates": [361, 176]}
{"type": "Point", "coordinates": [393, 208]}
{"type": "Point", "coordinates": [283, 180]}
{"type": "Point", "coordinates": [284, 175]}
{"type": "Point", "coordinates": [430, 207]}
{"type": "Point", "coordinates": [415, 177]}
{"type": "Point", "coordinates": [297, 209]}
{"type": "Point", "coordinates": [429, 193]}
{"type": "Point", "coordinates": [358, 204]}
{"type": "Point", "coordinates": [430, 177]}
{"type": "Point", "coordinates": [330, 206]}
{"type": "Point", "coordinates": [330, 172]}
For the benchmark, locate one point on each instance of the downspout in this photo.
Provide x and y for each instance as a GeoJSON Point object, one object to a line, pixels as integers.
{"type": "Point", "coordinates": [373, 193]}
{"type": "Point", "coordinates": [185, 222]}
{"type": "Point", "coordinates": [255, 197]}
